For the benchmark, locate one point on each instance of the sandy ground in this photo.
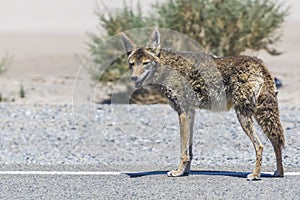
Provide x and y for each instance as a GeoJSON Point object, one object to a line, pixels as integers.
{"type": "Point", "coordinates": [46, 66]}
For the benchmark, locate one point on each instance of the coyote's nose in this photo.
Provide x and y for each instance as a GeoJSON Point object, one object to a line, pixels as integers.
{"type": "Point", "coordinates": [134, 78]}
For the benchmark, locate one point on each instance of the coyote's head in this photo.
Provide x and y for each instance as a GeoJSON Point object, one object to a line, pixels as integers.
{"type": "Point", "coordinates": [142, 62]}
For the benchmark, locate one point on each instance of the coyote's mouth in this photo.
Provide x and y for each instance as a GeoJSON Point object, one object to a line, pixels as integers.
{"type": "Point", "coordinates": [138, 83]}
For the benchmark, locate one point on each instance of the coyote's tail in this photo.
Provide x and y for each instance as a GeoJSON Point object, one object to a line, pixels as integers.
{"type": "Point", "coordinates": [267, 112]}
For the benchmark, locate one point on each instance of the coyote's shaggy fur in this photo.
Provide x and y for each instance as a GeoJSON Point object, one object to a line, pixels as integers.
{"type": "Point", "coordinates": [192, 80]}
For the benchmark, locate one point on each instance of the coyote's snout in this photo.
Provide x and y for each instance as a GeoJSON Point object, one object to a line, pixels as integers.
{"type": "Point", "coordinates": [187, 81]}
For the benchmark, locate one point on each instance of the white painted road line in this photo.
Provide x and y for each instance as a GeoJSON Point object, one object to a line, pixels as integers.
{"type": "Point", "coordinates": [102, 173]}
{"type": "Point", "coordinates": [285, 173]}
{"type": "Point", "coordinates": [59, 173]}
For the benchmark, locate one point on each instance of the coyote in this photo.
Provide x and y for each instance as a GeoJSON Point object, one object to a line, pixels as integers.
{"type": "Point", "coordinates": [189, 81]}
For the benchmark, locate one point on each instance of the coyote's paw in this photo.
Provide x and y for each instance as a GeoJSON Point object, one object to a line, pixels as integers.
{"type": "Point", "coordinates": [253, 177]}
{"type": "Point", "coordinates": [277, 174]}
{"type": "Point", "coordinates": [176, 173]}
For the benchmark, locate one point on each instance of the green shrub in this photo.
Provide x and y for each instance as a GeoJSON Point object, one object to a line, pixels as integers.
{"type": "Point", "coordinates": [222, 27]}
{"type": "Point", "coordinates": [226, 27]}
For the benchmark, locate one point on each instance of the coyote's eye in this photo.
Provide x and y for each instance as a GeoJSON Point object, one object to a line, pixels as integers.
{"type": "Point", "coordinates": [146, 63]}
{"type": "Point", "coordinates": [131, 64]}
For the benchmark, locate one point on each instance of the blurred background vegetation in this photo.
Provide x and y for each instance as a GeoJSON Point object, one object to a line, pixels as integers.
{"type": "Point", "coordinates": [5, 63]}
{"type": "Point", "coordinates": [223, 28]}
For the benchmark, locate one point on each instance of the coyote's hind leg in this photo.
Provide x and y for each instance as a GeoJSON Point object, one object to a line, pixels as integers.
{"type": "Point", "coordinates": [186, 123]}
{"type": "Point", "coordinates": [267, 116]}
{"type": "Point", "coordinates": [273, 129]}
{"type": "Point", "coordinates": [246, 122]}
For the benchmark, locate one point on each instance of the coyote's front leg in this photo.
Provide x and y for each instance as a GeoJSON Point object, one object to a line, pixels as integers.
{"type": "Point", "coordinates": [186, 123]}
{"type": "Point", "coordinates": [247, 125]}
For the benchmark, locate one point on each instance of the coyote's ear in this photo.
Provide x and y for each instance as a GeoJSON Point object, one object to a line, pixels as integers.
{"type": "Point", "coordinates": [154, 42]}
{"type": "Point", "coordinates": [128, 45]}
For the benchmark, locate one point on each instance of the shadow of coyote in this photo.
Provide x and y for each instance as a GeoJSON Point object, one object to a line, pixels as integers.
{"type": "Point", "coordinates": [192, 80]}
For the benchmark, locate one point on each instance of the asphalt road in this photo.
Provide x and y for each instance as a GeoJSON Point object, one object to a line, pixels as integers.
{"type": "Point", "coordinates": [152, 185]}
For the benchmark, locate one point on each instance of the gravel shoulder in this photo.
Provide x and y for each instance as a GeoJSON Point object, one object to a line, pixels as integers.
{"type": "Point", "coordinates": [121, 134]}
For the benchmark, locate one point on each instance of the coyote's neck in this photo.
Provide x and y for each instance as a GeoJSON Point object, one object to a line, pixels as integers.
{"type": "Point", "coordinates": [183, 61]}
{"type": "Point", "coordinates": [179, 61]}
